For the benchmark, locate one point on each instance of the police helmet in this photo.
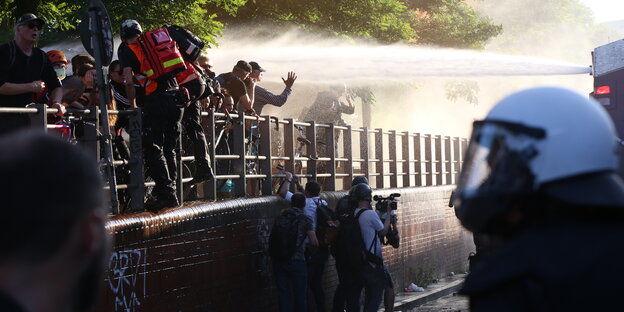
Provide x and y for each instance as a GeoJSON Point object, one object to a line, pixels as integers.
{"type": "Point", "coordinates": [546, 140]}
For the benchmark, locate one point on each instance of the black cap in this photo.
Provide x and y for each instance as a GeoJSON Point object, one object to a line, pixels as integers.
{"type": "Point", "coordinates": [244, 66]}
{"type": "Point", "coordinates": [256, 66]}
{"type": "Point", "coordinates": [29, 17]}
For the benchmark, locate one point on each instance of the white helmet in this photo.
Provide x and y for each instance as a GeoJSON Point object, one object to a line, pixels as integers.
{"type": "Point", "coordinates": [548, 140]}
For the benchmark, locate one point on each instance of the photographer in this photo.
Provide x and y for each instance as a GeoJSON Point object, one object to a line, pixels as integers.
{"type": "Point", "coordinates": [385, 208]}
{"type": "Point", "coordinates": [372, 276]}
{"type": "Point", "coordinates": [343, 211]}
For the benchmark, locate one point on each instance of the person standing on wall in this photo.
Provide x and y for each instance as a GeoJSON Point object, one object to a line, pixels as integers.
{"type": "Point", "coordinates": [24, 72]}
{"type": "Point", "coordinates": [199, 88]}
{"type": "Point", "coordinates": [205, 63]}
{"type": "Point", "coordinates": [240, 86]}
{"type": "Point", "coordinates": [262, 96]}
{"type": "Point", "coordinates": [162, 113]}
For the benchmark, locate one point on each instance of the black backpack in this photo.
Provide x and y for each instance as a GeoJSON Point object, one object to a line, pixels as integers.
{"type": "Point", "coordinates": [325, 234]}
{"type": "Point", "coordinates": [190, 45]}
{"type": "Point", "coordinates": [350, 248]}
{"type": "Point", "coordinates": [283, 239]}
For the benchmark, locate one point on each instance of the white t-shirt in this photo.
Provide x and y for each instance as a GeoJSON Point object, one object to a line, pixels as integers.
{"type": "Point", "coordinates": [310, 207]}
{"type": "Point", "coordinates": [370, 224]}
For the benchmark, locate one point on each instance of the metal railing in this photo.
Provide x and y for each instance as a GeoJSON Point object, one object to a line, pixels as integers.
{"type": "Point", "coordinates": [388, 159]}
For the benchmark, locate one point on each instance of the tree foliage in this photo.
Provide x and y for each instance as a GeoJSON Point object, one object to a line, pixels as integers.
{"type": "Point", "coordinates": [63, 16]}
{"type": "Point", "coordinates": [448, 23]}
{"type": "Point", "coordinates": [384, 20]}
{"type": "Point", "coordinates": [451, 23]}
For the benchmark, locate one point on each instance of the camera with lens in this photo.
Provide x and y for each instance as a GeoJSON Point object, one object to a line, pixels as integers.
{"type": "Point", "coordinates": [384, 204]}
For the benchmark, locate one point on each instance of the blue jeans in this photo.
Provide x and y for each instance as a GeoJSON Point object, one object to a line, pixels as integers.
{"type": "Point", "coordinates": [374, 281]}
{"type": "Point", "coordinates": [291, 278]}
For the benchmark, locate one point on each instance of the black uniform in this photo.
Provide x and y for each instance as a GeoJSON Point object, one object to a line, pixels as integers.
{"type": "Point", "coordinates": [162, 112]}
{"type": "Point", "coordinates": [194, 129]}
{"type": "Point", "coordinates": [567, 266]}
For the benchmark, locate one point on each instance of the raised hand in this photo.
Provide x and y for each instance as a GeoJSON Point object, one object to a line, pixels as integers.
{"type": "Point", "coordinates": [291, 80]}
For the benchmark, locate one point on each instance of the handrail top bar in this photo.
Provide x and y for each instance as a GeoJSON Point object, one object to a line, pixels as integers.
{"type": "Point", "coordinates": [301, 123]}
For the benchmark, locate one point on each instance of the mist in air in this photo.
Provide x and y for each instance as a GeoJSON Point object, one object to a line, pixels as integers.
{"type": "Point", "coordinates": [411, 83]}
{"type": "Point", "coordinates": [331, 60]}
{"type": "Point", "coordinates": [327, 60]}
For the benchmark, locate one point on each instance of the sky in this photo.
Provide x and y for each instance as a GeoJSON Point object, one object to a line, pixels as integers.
{"type": "Point", "coordinates": [606, 10]}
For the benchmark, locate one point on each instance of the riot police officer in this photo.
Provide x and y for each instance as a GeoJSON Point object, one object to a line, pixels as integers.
{"type": "Point", "coordinates": [540, 176]}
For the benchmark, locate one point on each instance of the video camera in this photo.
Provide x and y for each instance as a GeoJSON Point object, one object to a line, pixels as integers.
{"type": "Point", "coordinates": [386, 203]}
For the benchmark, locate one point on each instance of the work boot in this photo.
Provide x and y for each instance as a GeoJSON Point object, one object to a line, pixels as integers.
{"type": "Point", "coordinates": [156, 203]}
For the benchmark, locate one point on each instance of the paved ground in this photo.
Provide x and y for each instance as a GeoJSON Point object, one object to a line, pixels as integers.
{"type": "Point", "coordinates": [453, 302]}
{"type": "Point", "coordinates": [437, 297]}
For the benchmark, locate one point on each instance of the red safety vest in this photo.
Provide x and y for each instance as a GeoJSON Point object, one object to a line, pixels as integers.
{"type": "Point", "coordinates": [150, 86]}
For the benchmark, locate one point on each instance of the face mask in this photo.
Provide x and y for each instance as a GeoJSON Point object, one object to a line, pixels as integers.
{"type": "Point", "coordinates": [60, 73]}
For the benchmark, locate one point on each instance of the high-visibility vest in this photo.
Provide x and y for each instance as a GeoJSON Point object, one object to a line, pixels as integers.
{"type": "Point", "coordinates": [150, 85]}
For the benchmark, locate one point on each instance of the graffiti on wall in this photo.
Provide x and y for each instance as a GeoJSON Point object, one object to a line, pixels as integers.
{"type": "Point", "coordinates": [263, 263]}
{"type": "Point", "coordinates": [127, 277]}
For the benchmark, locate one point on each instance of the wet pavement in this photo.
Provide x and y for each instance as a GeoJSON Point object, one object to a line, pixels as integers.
{"type": "Point", "coordinates": [448, 303]}
{"type": "Point", "coordinates": [437, 297]}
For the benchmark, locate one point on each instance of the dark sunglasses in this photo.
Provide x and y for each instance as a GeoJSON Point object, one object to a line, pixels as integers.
{"type": "Point", "coordinates": [33, 25]}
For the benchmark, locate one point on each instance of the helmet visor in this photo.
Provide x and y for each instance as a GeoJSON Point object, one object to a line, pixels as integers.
{"type": "Point", "coordinates": [497, 159]}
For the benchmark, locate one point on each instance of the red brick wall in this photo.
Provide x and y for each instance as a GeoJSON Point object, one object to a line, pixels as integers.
{"type": "Point", "coordinates": [211, 256]}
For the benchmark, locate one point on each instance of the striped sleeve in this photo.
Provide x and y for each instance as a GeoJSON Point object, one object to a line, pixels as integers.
{"type": "Point", "coordinates": [262, 97]}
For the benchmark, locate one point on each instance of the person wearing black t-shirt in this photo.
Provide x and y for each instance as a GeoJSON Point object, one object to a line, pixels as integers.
{"type": "Point", "coordinates": [162, 113]}
{"type": "Point", "coordinates": [25, 72]}
{"type": "Point", "coordinates": [240, 86]}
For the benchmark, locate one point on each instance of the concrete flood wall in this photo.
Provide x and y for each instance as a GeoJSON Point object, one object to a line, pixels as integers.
{"type": "Point", "coordinates": [212, 256]}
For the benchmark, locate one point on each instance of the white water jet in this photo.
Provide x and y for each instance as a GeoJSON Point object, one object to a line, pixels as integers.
{"type": "Point", "coordinates": [329, 60]}
{"type": "Point", "coordinates": [394, 62]}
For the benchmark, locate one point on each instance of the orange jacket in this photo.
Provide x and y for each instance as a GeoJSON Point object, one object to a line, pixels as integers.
{"type": "Point", "coordinates": [150, 86]}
